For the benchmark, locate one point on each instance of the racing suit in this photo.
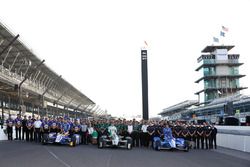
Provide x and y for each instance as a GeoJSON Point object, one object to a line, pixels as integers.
{"type": "Point", "coordinates": [113, 135]}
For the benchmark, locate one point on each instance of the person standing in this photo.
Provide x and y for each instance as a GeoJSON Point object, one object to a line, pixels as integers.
{"type": "Point", "coordinates": [10, 124]}
{"type": "Point", "coordinates": [30, 129]}
{"type": "Point", "coordinates": [208, 132]}
{"type": "Point", "coordinates": [45, 130]}
{"type": "Point", "coordinates": [177, 130]}
{"type": "Point", "coordinates": [213, 137]}
{"type": "Point", "coordinates": [130, 129]}
{"type": "Point", "coordinates": [185, 134]}
{"type": "Point", "coordinates": [152, 131]}
{"type": "Point", "coordinates": [200, 137]}
{"type": "Point", "coordinates": [18, 127]}
{"type": "Point", "coordinates": [37, 130]}
{"type": "Point", "coordinates": [136, 134]}
{"type": "Point", "coordinates": [192, 134]}
{"type": "Point", "coordinates": [83, 131]}
{"type": "Point", "coordinates": [24, 127]}
{"type": "Point", "coordinates": [144, 135]}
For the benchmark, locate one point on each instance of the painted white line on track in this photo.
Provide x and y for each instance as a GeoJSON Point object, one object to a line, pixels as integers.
{"type": "Point", "coordinates": [109, 160]}
{"type": "Point", "coordinates": [56, 157]}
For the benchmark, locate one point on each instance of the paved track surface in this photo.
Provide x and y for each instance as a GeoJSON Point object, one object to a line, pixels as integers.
{"type": "Point", "coordinates": [22, 154]}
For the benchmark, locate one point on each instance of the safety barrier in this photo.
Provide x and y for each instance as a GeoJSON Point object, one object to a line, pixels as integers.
{"type": "Point", "coordinates": [234, 137]}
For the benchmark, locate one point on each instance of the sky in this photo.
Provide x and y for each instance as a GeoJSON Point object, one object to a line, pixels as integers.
{"type": "Point", "coordinates": [95, 45]}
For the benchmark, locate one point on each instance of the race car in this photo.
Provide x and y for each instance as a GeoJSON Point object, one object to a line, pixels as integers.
{"type": "Point", "coordinates": [169, 142]}
{"type": "Point", "coordinates": [119, 141]}
{"type": "Point", "coordinates": [60, 138]}
{"type": "Point", "coordinates": [113, 140]}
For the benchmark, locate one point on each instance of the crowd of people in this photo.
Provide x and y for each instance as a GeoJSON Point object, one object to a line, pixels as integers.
{"type": "Point", "coordinates": [199, 136]}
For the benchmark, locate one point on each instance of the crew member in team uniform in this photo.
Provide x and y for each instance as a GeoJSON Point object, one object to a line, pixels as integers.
{"type": "Point", "coordinates": [70, 123]}
{"type": "Point", "coordinates": [10, 124]}
{"type": "Point", "coordinates": [76, 127]}
{"type": "Point", "coordinates": [185, 134]}
{"type": "Point", "coordinates": [177, 130]}
{"type": "Point", "coordinates": [84, 131]}
{"type": "Point", "coordinates": [76, 130]}
{"type": "Point", "coordinates": [213, 137]}
{"type": "Point", "coordinates": [30, 129]}
{"type": "Point", "coordinates": [130, 129]}
{"type": "Point", "coordinates": [45, 128]}
{"type": "Point", "coordinates": [152, 130]}
{"type": "Point", "coordinates": [208, 132]}
{"type": "Point", "coordinates": [144, 134]}
{"type": "Point", "coordinates": [136, 134]}
{"type": "Point", "coordinates": [200, 136]}
{"type": "Point", "coordinates": [18, 126]}
{"type": "Point", "coordinates": [37, 130]}
{"type": "Point", "coordinates": [24, 127]}
{"type": "Point", "coordinates": [53, 127]}
{"type": "Point", "coordinates": [58, 122]}
{"type": "Point", "coordinates": [65, 126]}
{"type": "Point", "coordinates": [192, 134]}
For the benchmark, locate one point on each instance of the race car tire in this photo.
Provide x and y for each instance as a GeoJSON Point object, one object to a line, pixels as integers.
{"type": "Point", "coordinates": [158, 145]}
{"type": "Point", "coordinates": [154, 145]}
{"type": "Point", "coordinates": [129, 146]}
{"type": "Point", "coordinates": [43, 142]}
{"type": "Point", "coordinates": [44, 139]}
{"type": "Point", "coordinates": [71, 144]}
{"type": "Point", "coordinates": [186, 149]}
{"type": "Point", "coordinates": [74, 142]}
{"type": "Point", "coordinates": [100, 145]}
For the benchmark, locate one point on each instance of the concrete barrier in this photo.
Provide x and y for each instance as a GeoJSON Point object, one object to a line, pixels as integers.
{"type": "Point", "coordinates": [4, 136]}
{"type": "Point", "coordinates": [234, 137]}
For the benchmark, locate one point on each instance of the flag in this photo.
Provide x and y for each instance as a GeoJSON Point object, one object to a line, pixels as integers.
{"type": "Point", "coordinates": [146, 43]}
{"type": "Point", "coordinates": [225, 29]}
{"type": "Point", "coordinates": [216, 39]}
{"type": "Point", "coordinates": [222, 34]}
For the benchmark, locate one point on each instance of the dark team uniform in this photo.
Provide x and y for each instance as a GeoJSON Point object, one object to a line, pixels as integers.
{"type": "Point", "coordinates": [200, 137]}
{"type": "Point", "coordinates": [136, 135]}
{"type": "Point", "coordinates": [24, 125]}
{"type": "Point", "coordinates": [30, 130]}
{"type": "Point", "coordinates": [177, 131]}
{"type": "Point", "coordinates": [53, 127]}
{"type": "Point", "coordinates": [185, 134]}
{"type": "Point", "coordinates": [208, 131]}
{"type": "Point", "coordinates": [18, 126]}
{"type": "Point", "coordinates": [45, 127]}
{"type": "Point", "coordinates": [83, 133]}
{"type": "Point", "coordinates": [76, 129]}
{"type": "Point", "coordinates": [213, 137]}
{"type": "Point", "coordinates": [151, 133]}
{"type": "Point", "coordinates": [10, 124]}
{"type": "Point", "coordinates": [192, 134]}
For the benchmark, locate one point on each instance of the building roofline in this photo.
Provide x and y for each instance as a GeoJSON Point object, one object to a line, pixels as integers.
{"type": "Point", "coordinates": [220, 76]}
{"type": "Point", "coordinates": [211, 48]}
{"type": "Point", "coordinates": [236, 99]}
{"type": "Point", "coordinates": [218, 64]}
{"type": "Point", "coordinates": [215, 89]}
{"type": "Point", "coordinates": [184, 104]}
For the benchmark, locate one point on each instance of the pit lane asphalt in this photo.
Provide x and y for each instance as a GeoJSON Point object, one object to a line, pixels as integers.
{"type": "Point", "coordinates": [23, 154]}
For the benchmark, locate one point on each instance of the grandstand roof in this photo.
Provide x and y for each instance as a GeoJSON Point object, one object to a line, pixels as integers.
{"type": "Point", "coordinates": [19, 61]}
{"type": "Point", "coordinates": [179, 107]}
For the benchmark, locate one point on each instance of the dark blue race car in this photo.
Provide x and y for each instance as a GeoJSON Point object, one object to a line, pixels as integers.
{"type": "Point", "coordinates": [169, 142]}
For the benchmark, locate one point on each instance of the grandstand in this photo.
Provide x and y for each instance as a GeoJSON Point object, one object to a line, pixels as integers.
{"type": "Point", "coordinates": [28, 85]}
